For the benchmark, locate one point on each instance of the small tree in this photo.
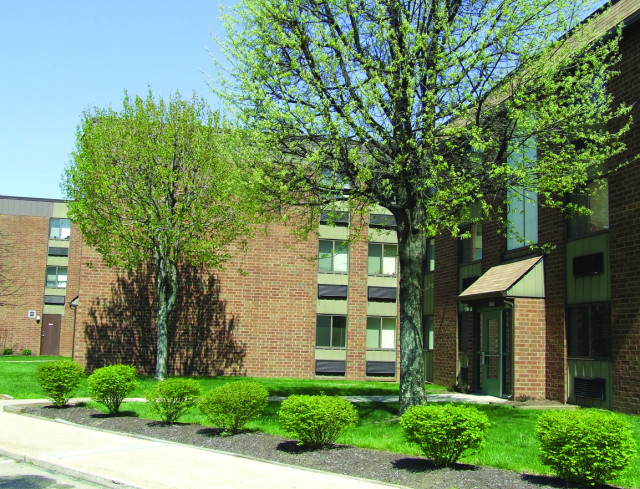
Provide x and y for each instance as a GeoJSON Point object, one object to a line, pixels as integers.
{"type": "Point", "coordinates": [59, 380]}
{"type": "Point", "coordinates": [159, 182]}
{"type": "Point", "coordinates": [111, 384]}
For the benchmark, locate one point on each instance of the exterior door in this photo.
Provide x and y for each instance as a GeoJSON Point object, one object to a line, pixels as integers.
{"type": "Point", "coordinates": [490, 354]}
{"type": "Point", "coordinates": [50, 334]}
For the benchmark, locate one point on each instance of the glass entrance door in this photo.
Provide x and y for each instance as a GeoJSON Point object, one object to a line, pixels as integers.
{"type": "Point", "coordinates": [490, 353]}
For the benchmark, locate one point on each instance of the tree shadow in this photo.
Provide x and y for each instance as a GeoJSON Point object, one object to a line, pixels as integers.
{"type": "Point", "coordinates": [119, 414]}
{"type": "Point", "coordinates": [121, 328]}
{"type": "Point", "coordinates": [554, 481]}
{"type": "Point", "coordinates": [292, 447]}
{"type": "Point", "coordinates": [418, 465]}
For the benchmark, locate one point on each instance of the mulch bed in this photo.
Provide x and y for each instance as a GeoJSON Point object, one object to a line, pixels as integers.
{"type": "Point", "coordinates": [394, 468]}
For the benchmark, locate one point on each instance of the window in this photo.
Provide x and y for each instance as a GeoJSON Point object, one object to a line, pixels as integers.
{"type": "Point", "coordinates": [331, 331]}
{"type": "Point", "coordinates": [589, 331]}
{"type": "Point", "coordinates": [522, 218]}
{"type": "Point", "coordinates": [596, 199]}
{"type": "Point", "coordinates": [56, 277]}
{"type": "Point", "coordinates": [59, 229]}
{"type": "Point", "coordinates": [384, 221]}
{"type": "Point", "coordinates": [471, 247]}
{"type": "Point", "coordinates": [333, 256]}
{"type": "Point", "coordinates": [427, 333]}
{"type": "Point", "coordinates": [335, 218]}
{"type": "Point", "coordinates": [522, 209]}
{"type": "Point", "coordinates": [381, 333]}
{"type": "Point", "coordinates": [430, 256]}
{"type": "Point", "coordinates": [383, 258]}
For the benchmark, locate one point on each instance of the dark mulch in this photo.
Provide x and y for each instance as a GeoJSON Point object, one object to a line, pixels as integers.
{"type": "Point", "coordinates": [378, 465]}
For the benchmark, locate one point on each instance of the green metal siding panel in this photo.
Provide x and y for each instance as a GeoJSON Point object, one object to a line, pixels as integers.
{"type": "Point", "coordinates": [531, 284]}
{"type": "Point", "coordinates": [592, 288]}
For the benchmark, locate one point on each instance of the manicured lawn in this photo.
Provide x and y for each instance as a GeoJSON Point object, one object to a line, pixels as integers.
{"type": "Point", "coordinates": [511, 439]}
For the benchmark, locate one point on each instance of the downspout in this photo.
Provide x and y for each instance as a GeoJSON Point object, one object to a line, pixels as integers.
{"type": "Point", "coordinates": [512, 346]}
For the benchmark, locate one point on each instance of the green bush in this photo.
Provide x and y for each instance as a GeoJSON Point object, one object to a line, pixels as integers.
{"type": "Point", "coordinates": [585, 446]}
{"type": "Point", "coordinates": [445, 432]}
{"type": "Point", "coordinates": [26, 352]}
{"type": "Point", "coordinates": [316, 421]}
{"type": "Point", "coordinates": [7, 351]}
{"type": "Point", "coordinates": [59, 380]}
{"type": "Point", "coordinates": [232, 405]}
{"type": "Point", "coordinates": [110, 385]}
{"type": "Point", "coordinates": [171, 398]}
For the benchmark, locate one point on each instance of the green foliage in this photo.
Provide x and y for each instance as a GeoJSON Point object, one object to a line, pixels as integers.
{"type": "Point", "coordinates": [59, 380]}
{"type": "Point", "coordinates": [585, 446]}
{"type": "Point", "coordinates": [232, 405]}
{"type": "Point", "coordinates": [160, 182]}
{"type": "Point", "coordinates": [110, 385]}
{"type": "Point", "coordinates": [7, 351]}
{"type": "Point", "coordinates": [425, 109]}
{"type": "Point", "coordinates": [316, 421]}
{"type": "Point", "coordinates": [26, 352]}
{"type": "Point", "coordinates": [171, 398]}
{"type": "Point", "coordinates": [445, 432]}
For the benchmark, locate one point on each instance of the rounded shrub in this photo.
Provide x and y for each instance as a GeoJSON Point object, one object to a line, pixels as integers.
{"type": "Point", "coordinates": [316, 421]}
{"type": "Point", "coordinates": [110, 385]}
{"type": "Point", "coordinates": [445, 432]}
{"type": "Point", "coordinates": [586, 446]}
{"type": "Point", "coordinates": [232, 405]}
{"type": "Point", "coordinates": [59, 380]}
{"type": "Point", "coordinates": [7, 351]}
{"type": "Point", "coordinates": [26, 352]}
{"type": "Point", "coordinates": [171, 398]}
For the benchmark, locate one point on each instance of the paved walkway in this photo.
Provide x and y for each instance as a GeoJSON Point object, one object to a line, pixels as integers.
{"type": "Point", "coordinates": [124, 461]}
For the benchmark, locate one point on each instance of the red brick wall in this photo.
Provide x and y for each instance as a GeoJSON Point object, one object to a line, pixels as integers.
{"type": "Point", "coordinates": [624, 236]}
{"type": "Point", "coordinates": [529, 359]}
{"type": "Point", "coordinates": [26, 238]}
{"type": "Point", "coordinates": [445, 311]}
{"type": "Point", "coordinates": [259, 323]}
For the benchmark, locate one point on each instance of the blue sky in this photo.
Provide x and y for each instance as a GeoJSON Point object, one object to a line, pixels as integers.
{"type": "Point", "coordinates": [59, 58]}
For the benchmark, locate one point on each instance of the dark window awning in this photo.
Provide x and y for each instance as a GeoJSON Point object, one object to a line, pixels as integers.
{"type": "Point", "coordinates": [522, 278]}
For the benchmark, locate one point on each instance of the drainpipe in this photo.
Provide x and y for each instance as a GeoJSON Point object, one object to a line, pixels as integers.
{"type": "Point", "coordinates": [513, 335]}
{"type": "Point", "coordinates": [74, 306]}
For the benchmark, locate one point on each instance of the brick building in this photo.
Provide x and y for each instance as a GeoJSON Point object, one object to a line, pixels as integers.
{"type": "Point", "coordinates": [498, 317]}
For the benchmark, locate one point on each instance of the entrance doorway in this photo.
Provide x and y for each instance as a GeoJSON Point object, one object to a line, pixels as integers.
{"type": "Point", "coordinates": [489, 356]}
{"type": "Point", "coordinates": [50, 334]}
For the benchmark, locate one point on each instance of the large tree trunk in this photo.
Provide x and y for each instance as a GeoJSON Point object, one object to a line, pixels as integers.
{"type": "Point", "coordinates": [167, 288]}
{"type": "Point", "coordinates": [411, 251]}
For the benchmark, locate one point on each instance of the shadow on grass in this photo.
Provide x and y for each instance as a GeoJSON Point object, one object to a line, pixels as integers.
{"type": "Point", "coordinates": [418, 465]}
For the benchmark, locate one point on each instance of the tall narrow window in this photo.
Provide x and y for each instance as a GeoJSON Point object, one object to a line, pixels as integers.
{"type": "Point", "coordinates": [596, 199]}
{"type": "Point", "coordinates": [56, 277]}
{"type": "Point", "coordinates": [471, 247]}
{"type": "Point", "coordinates": [430, 256]}
{"type": "Point", "coordinates": [331, 331]}
{"type": "Point", "coordinates": [427, 333]}
{"type": "Point", "coordinates": [522, 210]}
{"type": "Point", "coordinates": [333, 256]}
{"type": "Point", "coordinates": [59, 228]}
{"type": "Point", "coordinates": [589, 331]}
{"type": "Point", "coordinates": [383, 259]}
{"type": "Point", "coordinates": [381, 333]}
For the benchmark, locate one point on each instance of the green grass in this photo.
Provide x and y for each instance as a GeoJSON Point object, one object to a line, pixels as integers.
{"type": "Point", "coordinates": [511, 438]}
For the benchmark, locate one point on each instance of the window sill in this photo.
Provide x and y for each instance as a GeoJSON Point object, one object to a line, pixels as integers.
{"type": "Point", "coordinates": [587, 235]}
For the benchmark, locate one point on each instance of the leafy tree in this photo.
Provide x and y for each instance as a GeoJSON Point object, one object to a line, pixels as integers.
{"type": "Point", "coordinates": [158, 182]}
{"type": "Point", "coordinates": [426, 108]}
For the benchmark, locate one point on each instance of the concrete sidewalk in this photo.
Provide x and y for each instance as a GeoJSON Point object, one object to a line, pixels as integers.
{"type": "Point", "coordinates": [117, 460]}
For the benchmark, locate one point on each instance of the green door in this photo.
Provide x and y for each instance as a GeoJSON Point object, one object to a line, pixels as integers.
{"type": "Point", "coordinates": [490, 353]}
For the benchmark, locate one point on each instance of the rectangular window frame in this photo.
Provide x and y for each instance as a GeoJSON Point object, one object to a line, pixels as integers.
{"type": "Point", "coordinates": [325, 256]}
{"type": "Point", "coordinates": [54, 276]}
{"type": "Point", "coordinates": [376, 339]}
{"type": "Point", "coordinates": [59, 229]}
{"type": "Point", "coordinates": [471, 247]}
{"type": "Point", "coordinates": [337, 340]}
{"type": "Point", "coordinates": [381, 268]}
{"type": "Point", "coordinates": [597, 343]}
{"type": "Point", "coordinates": [596, 199]}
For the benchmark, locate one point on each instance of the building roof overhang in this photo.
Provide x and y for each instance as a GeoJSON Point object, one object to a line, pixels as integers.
{"type": "Point", "coordinates": [521, 278]}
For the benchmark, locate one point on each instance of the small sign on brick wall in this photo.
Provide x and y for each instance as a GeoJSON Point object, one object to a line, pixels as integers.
{"type": "Point", "coordinates": [31, 314]}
